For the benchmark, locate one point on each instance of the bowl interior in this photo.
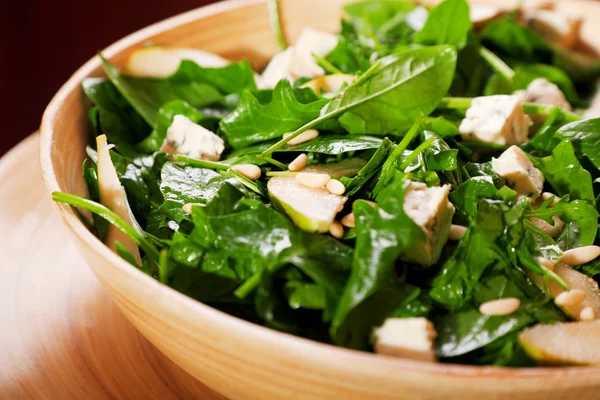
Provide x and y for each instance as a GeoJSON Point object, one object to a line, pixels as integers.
{"type": "Point", "coordinates": [235, 29]}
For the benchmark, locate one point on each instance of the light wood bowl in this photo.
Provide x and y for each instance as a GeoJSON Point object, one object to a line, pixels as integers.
{"type": "Point", "coordinates": [236, 358]}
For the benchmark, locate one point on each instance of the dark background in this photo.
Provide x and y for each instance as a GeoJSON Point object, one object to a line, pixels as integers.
{"type": "Point", "coordinates": [42, 42]}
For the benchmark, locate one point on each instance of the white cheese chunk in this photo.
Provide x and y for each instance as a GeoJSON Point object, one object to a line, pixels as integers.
{"type": "Point", "coordinates": [554, 26]}
{"type": "Point", "coordinates": [496, 119]}
{"type": "Point", "coordinates": [407, 338]}
{"type": "Point", "coordinates": [162, 62]}
{"type": "Point", "coordinates": [541, 91]}
{"type": "Point", "coordinates": [519, 172]}
{"type": "Point", "coordinates": [432, 211]}
{"type": "Point", "coordinates": [297, 61]}
{"type": "Point", "coordinates": [192, 140]}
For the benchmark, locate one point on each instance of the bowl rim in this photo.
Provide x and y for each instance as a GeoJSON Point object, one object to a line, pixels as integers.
{"type": "Point", "coordinates": [251, 330]}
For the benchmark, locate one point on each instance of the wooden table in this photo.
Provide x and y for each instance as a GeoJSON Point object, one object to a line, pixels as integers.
{"type": "Point", "coordinates": [61, 337]}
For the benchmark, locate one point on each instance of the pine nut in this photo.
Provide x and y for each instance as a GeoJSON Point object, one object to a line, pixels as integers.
{"type": "Point", "coordinates": [587, 314]}
{"type": "Point", "coordinates": [457, 232]}
{"type": "Point", "coordinates": [581, 255]}
{"type": "Point", "coordinates": [547, 195]}
{"type": "Point", "coordinates": [187, 208]}
{"type": "Point", "coordinates": [500, 307]}
{"type": "Point", "coordinates": [298, 163]}
{"type": "Point", "coordinates": [249, 171]}
{"type": "Point", "coordinates": [570, 298]}
{"type": "Point", "coordinates": [544, 262]}
{"type": "Point", "coordinates": [303, 137]}
{"type": "Point", "coordinates": [349, 221]}
{"type": "Point", "coordinates": [312, 180]}
{"type": "Point", "coordinates": [335, 187]}
{"type": "Point", "coordinates": [336, 230]}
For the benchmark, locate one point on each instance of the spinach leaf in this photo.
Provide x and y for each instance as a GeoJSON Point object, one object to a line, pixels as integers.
{"type": "Point", "coordinates": [324, 144]}
{"type": "Point", "coordinates": [585, 136]}
{"type": "Point", "coordinates": [371, 15]}
{"type": "Point", "coordinates": [406, 85]}
{"type": "Point", "coordinates": [355, 184]}
{"type": "Point", "coordinates": [351, 55]}
{"type": "Point", "coordinates": [441, 158]}
{"type": "Point", "coordinates": [269, 116]}
{"type": "Point", "coordinates": [465, 330]}
{"type": "Point", "coordinates": [191, 83]}
{"type": "Point", "coordinates": [382, 235]}
{"type": "Point", "coordinates": [514, 40]}
{"type": "Point", "coordinates": [476, 253]}
{"type": "Point", "coordinates": [114, 117]}
{"type": "Point", "coordinates": [448, 23]}
{"type": "Point", "coordinates": [566, 175]}
{"type": "Point", "coordinates": [181, 185]}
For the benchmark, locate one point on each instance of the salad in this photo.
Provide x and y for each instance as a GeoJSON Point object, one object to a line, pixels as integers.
{"type": "Point", "coordinates": [423, 184]}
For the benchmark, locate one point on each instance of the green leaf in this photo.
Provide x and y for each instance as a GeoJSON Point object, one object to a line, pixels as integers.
{"type": "Point", "coordinates": [585, 136]}
{"type": "Point", "coordinates": [448, 23]}
{"type": "Point", "coordinates": [383, 234]}
{"type": "Point", "coordinates": [114, 117]}
{"type": "Point", "coordinates": [355, 184]}
{"type": "Point", "coordinates": [566, 175]}
{"type": "Point", "coordinates": [324, 144]}
{"type": "Point", "coordinates": [407, 84]}
{"type": "Point", "coordinates": [191, 83]}
{"type": "Point", "coordinates": [371, 15]}
{"type": "Point", "coordinates": [183, 185]}
{"type": "Point", "coordinates": [260, 119]}
{"type": "Point", "coordinates": [465, 330]}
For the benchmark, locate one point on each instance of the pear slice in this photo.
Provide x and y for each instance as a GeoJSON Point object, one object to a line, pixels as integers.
{"type": "Point", "coordinates": [575, 280]}
{"type": "Point", "coordinates": [312, 210]}
{"type": "Point", "coordinates": [330, 83]}
{"type": "Point", "coordinates": [162, 62]}
{"type": "Point", "coordinates": [112, 195]}
{"type": "Point", "coordinates": [573, 343]}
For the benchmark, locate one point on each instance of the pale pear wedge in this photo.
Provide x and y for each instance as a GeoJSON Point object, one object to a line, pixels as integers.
{"type": "Point", "coordinates": [573, 343]}
{"type": "Point", "coordinates": [112, 195]}
{"type": "Point", "coordinates": [574, 280]}
{"type": "Point", "coordinates": [329, 83]}
{"type": "Point", "coordinates": [162, 62]}
{"type": "Point", "coordinates": [312, 210]}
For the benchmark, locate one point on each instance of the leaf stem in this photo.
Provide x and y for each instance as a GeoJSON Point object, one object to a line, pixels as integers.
{"type": "Point", "coordinates": [416, 153]}
{"type": "Point", "coordinates": [111, 217]}
{"type": "Point", "coordinates": [275, 17]}
{"type": "Point", "coordinates": [496, 63]}
{"type": "Point", "coordinates": [326, 64]}
{"type": "Point", "coordinates": [163, 266]}
{"type": "Point", "coordinates": [248, 286]}
{"type": "Point", "coordinates": [276, 163]}
{"type": "Point", "coordinates": [403, 145]}
{"type": "Point", "coordinates": [200, 163]}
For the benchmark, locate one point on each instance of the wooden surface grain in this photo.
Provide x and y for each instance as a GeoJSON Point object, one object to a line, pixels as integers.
{"type": "Point", "coordinates": [61, 337]}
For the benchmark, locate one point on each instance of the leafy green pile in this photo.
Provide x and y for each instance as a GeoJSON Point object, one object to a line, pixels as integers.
{"type": "Point", "coordinates": [400, 116]}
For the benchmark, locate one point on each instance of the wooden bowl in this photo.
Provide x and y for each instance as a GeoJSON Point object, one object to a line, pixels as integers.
{"type": "Point", "coordinates": [237, 358]}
